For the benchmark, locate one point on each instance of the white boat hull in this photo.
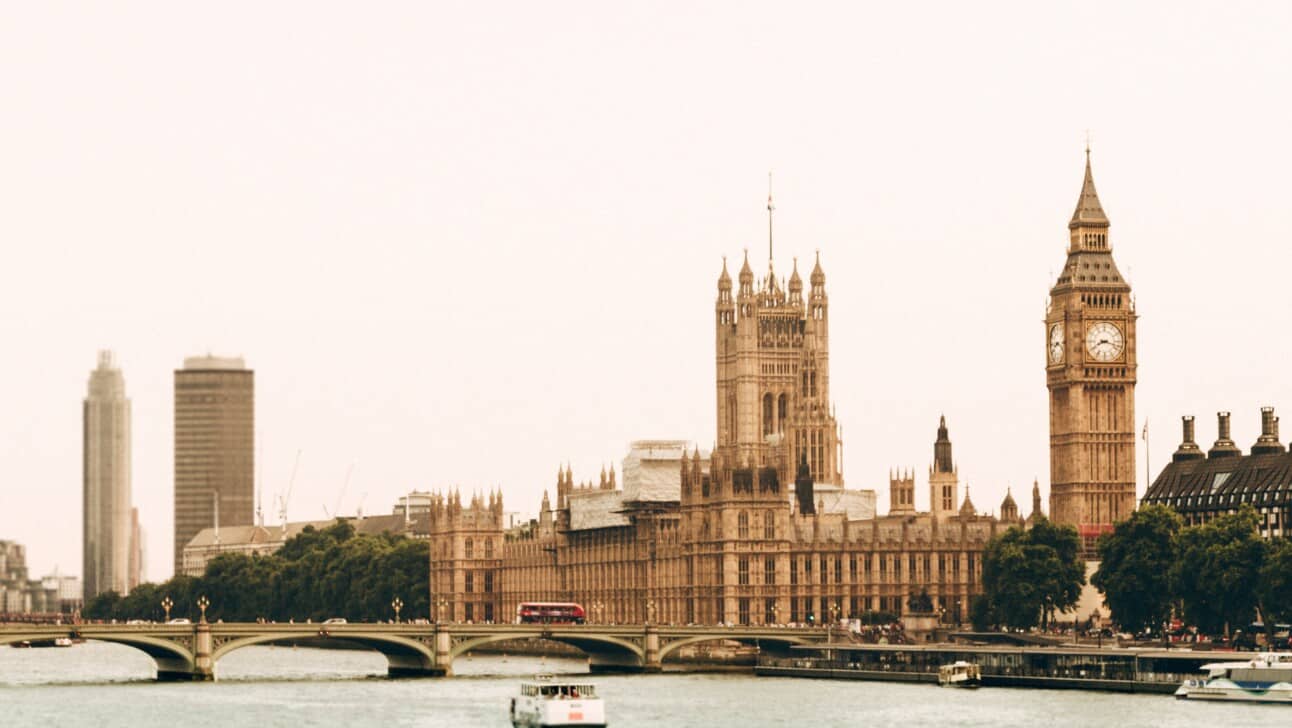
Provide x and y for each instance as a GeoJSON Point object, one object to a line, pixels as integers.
{"type": "Point", "coordinates": [531, 713]}
{"type": "Point", "coordinates": [1227, 690]}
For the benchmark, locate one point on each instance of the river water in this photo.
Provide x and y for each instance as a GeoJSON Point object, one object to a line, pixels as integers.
{"type": "Point", "coordinates": [99, 684]}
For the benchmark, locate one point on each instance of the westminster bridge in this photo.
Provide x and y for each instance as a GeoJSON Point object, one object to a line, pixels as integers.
{"type": "Point", "coordinates": [191, 651]}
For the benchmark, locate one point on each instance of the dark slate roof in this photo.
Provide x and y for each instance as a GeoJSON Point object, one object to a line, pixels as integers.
{"type": "Point", "coordinates": [1223, 483]}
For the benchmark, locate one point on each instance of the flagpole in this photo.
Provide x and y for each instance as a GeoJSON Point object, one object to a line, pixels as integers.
{"type": "Point", "coordinates": [1148, 467]}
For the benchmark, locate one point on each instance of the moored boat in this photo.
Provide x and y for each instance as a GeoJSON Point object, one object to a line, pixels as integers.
{"type": "Point", "coordinates": [545, 702]}
{"type": "Point", "coordinates": [1266, 678]}
{"type": "Point", "coordinates": [960, 674]}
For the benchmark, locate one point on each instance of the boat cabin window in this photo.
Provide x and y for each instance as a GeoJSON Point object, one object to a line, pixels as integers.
{"type": "Point", "coordinates": [560, 692]}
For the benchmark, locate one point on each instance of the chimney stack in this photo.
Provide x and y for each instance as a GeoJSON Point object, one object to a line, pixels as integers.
{"type": "Point", "coordinates": [1224, 447]}
{"type": "Point", "coordinates": [1188, 449]}
{"type": "Point", "coordinates": [1268, 443]}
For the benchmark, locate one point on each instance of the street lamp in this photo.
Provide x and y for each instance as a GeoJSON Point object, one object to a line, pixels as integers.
{"type": "Point", "coordinates": [776, 614]}
{"type": "Point", "coordinates": [397, 605]}
{"type": "Point", "coordinates": [440, 604]}
{"type": "Point", "coordinates": [202, 604]}
{"type": "Point", "coordinates": [598, 609]}
{"type": "Point", "coordinates": [166, 604]}
{"type": "Point", "coordinates": [650, 611]}
{"type": "Point", "coordinates": [834, 617]}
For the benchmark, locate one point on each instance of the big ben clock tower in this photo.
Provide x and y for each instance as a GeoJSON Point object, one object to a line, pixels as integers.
{"type": "Point", "coordinates": [1090, 364]}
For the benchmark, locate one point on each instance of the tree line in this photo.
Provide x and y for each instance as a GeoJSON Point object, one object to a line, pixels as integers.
{"type": "Point", "coordinates": [317, 574]}
{"type": "Point", "coordinates": [1218, 576]}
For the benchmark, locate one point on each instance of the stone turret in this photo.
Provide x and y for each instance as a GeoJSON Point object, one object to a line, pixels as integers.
{"type": "Point", "coordinates": [803, 487]}
{"type": "Point", "coordinates": [1008, 508]}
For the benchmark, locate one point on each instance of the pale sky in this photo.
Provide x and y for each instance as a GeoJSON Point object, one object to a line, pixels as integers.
{"type": "Point", "coordinates": [462, 243]}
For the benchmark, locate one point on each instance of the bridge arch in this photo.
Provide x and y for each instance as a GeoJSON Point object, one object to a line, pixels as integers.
{"type": "Point", "coordinates": [404, 656]}
{"type": "Point", "coordinates": [174, 661]}
{"type": "Point", "coordinates": [605, 652]}
{"type": "Point", "coordinates": [785, 640]}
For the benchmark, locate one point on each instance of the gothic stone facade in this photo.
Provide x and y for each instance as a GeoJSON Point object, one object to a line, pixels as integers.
{"type": "Point", "coordinates": [1091, 373]}
{"type": "Point", "coordinates": [759, 531]}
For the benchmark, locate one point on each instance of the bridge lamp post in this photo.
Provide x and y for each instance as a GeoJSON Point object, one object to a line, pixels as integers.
{"type": "Point", "coordinates": [202, 604]}
{"type": "Point", "coordinates": [776, 614]}
{"type": "Point", "coordinates": [650, 611]}
{"type": "Point", "coordinates": [397, 605]}
{"type": "Point", "coordinates": [440, 604]}
{"type": "Point", "coordinates": [834, 617]}
{"type": "Point", "coordinates": [166, 604]}
{"type": "Point", "coordinates": [598, 609]}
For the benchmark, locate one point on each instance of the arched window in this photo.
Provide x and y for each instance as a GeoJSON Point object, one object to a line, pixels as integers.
{"type": "Point", "coordinates": [769, 524]}
{"type": "Point", "coordinates": [767, 414]}
{"type": "Point", "coordinates": [781, 410]}
{"type": "Point", "coordinates": [470, 549]}
{"type": "Point", "coordinates": [742, 525]}
{"type": "Point", "coordinates": [488, 546]}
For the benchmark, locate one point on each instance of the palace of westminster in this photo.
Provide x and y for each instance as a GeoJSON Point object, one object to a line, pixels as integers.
{"type": "Point", "coordinates": [761, 529]}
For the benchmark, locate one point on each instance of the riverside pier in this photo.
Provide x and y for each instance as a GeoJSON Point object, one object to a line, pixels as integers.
{"type": "Point", "coordinates": [1127, 670]}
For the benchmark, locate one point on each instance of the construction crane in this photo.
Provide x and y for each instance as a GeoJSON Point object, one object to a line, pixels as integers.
{"type": "Point", "coordinates": [336, 510]}
{"type": "Point", "coordinates": [283, 500]}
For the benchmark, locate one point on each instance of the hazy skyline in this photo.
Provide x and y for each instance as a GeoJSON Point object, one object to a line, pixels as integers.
{"type": "Point", "coordinates": [460, 245]}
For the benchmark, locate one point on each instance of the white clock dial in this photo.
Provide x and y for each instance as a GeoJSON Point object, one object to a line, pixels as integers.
{"type": "Point", "coordinates": [1056, 343]}
{"type": "Point", "coordinates": [1104, 341]}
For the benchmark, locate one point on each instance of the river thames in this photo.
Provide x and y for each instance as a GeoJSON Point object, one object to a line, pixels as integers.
{"type": "Point", "coordinates": [98, 684]}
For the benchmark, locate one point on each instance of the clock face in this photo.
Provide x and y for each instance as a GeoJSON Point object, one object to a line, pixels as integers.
{"type": "Point", "coordinates": [1056, 343]}
{"type": "Point", "coordinates": [1104, 341]}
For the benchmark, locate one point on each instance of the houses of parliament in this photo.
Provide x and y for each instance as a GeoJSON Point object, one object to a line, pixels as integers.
{"type": "Point", "coordinates": [762, 529]}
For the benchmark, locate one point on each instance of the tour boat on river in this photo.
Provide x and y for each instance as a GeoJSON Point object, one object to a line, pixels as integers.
{"type": "Point", "coordinates": [546, 702]}
{"type": "Point", "coordinates": [1266, 678]}
{"type": "Point", "coordinates": [960, 674]}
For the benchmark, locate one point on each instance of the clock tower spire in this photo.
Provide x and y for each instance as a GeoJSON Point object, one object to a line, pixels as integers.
{"type": "Point", "coordinates": [1090, 369]}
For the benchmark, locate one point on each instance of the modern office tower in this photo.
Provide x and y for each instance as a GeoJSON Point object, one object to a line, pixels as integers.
{"type": "Point", "coordinates": [214, 454]}
{"type": "Point", "coordinates": [106, 481]}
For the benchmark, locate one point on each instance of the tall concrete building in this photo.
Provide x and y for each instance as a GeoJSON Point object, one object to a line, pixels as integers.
{"type": "Point", "coordinates": [214, 447]}
{"type": "Point", "coordinates": [106, 481]}
{"type": "Point", "coordinates": [1090, 371]}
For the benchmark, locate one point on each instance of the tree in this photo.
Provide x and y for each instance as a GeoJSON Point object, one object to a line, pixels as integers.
{"type": "Point", "coordinates": [1061, 587]}
{"type": "Point", "coordinates": [980, 613]}
{"type": "Point", "coordinates": [1135, 567]}
{"type": "Point", "coordinates": [1029, 575]}
{"type": "Point", "coordinates": [102, 606]}
{"type": "Point", "coordinates": [1275, 591]}
{"type": "Point", "coordinates": [1218, 569]}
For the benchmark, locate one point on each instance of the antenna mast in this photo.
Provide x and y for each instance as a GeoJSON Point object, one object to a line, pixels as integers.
{"type": "Point", "coordinates": [770, 209]}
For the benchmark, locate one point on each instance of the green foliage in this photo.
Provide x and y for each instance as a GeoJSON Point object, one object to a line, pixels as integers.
{"type": "Point", "coordinates": [874, 617]}
{"type": "Point", "coordinates": [317, 574]}
{"type": "Point", "coordinates": [980, 613]}
{"type": "Point", "coordinates": [1275, 589]}
{"type": "Point", "coordinates": [1029, 575]}
{"type": "Point", "coordinates": [1218, 569]}
{"type": "Point", "coordinates": [1135, 567]}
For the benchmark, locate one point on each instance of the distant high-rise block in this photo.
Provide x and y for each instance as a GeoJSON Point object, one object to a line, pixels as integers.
{"type": "Point", "coordinates": [214, 447]}
{"type": "Point", "coordinates": [106, 481]}
{"type": "Point", "coordinates": [137, 550]}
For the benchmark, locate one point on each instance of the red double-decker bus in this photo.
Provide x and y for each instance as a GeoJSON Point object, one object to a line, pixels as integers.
{"type": "Point", "coordinates": [550, 613]}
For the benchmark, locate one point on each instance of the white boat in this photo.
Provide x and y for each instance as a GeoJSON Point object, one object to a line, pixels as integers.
{"type": "Point", "coordinates": [1266, 678]}
{"type": "Point", "coordinates": [545, 701]}
{"type": "Point", "coordinates": [960, 674]}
